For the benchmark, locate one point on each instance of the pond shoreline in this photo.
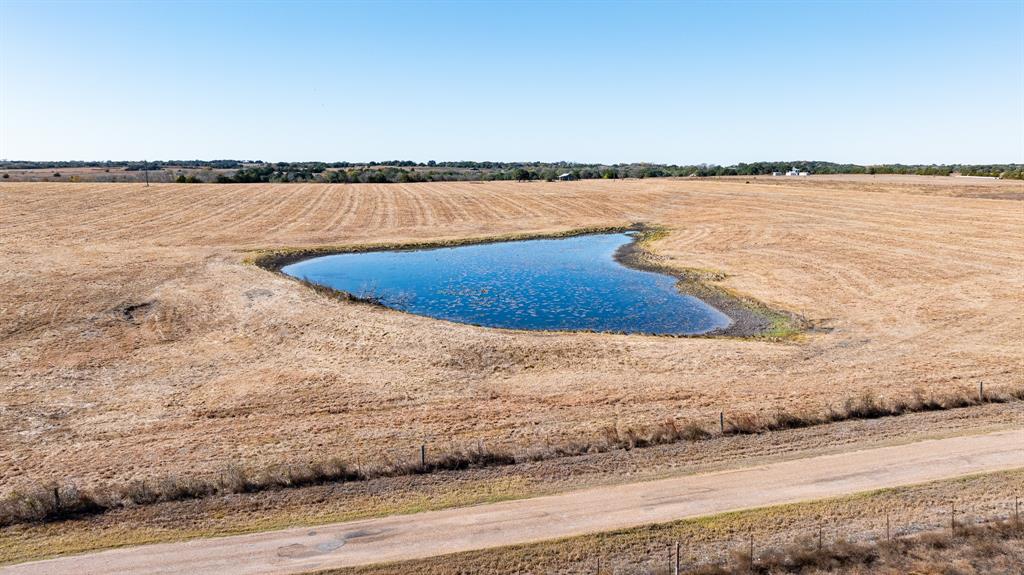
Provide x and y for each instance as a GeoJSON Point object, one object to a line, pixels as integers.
{"type": "Point", "coordinates": [749, 318]}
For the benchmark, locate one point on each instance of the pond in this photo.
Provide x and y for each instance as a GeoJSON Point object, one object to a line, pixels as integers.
{"type": "Point", "coordinates": [573, 283]}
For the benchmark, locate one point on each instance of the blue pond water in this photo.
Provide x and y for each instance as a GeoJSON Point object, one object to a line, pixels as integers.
{"type": "Point", "coordinates": [555, 284]}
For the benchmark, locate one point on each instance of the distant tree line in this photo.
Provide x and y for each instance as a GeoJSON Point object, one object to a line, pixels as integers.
{"type": "Point", "coordinates": [399, 171]}
{"type": "Point", "coordinates": [128, 166]}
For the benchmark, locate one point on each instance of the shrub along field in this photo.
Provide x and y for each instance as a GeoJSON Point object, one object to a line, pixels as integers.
{"type": "Point", "coordinates": [136, 343]}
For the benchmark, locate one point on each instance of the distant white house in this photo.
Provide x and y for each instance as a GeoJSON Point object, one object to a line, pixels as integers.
{"type": "Point", "coordinates": [794, 172]}
{"type": "Point", "coordinates": [566, 177]}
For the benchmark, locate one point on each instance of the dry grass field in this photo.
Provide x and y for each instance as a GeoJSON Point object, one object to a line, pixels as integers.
{"type": "Point", "coordinates": [135, 342]}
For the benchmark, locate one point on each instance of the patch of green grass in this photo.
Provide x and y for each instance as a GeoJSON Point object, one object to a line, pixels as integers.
{"type": "Point", "coordinates": [652, 233]}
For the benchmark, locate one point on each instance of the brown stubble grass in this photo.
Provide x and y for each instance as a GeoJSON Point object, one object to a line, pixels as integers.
{"type": "Point", "coordinates": [60, 501]}
{"type": "Point", "coordinates": [220, 362]}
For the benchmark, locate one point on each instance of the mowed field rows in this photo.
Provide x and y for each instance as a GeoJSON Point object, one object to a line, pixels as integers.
{"type": "Point", "coordinates": [135, 342]}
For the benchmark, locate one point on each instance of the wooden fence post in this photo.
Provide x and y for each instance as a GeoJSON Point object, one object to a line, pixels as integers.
{"type": "Point", "coordinates": [721, 422]}
{"type": "Point", "coordinates": [751, 550]}
{"type": "Point", "coordinates": [675, 571]}
{"type": "Point", "coordinates": [423, 456]}
{"type": "Point", "coordinates": [888, 531]}
{"type": "Point", "coordinates": [981, 392]}
{"type": "Point", "coordinates": [952, 519]}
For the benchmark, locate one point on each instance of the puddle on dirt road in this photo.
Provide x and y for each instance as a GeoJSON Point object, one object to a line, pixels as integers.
{"type": "Point", "coordinates": [571, 283]}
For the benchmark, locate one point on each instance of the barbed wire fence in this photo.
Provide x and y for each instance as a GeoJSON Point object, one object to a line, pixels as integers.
{"type": "Point", "coordinates": [744, 551]}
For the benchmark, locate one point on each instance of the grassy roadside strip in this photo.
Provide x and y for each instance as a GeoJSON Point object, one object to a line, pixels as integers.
{"type": "Point", "coordinates": [852, 530]}
{"type": "Point", "coordinates": [63, 501]}
{"type": "Point", "coordinates": [330, 503]}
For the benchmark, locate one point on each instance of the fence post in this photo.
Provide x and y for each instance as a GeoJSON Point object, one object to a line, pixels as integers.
{"type": "Point", "coordinates": [721, 422]}
{"type": "Point", "coordinates": [952, 519]}
{"type": "Point", "coordinates": [56, 498]}
{"type": "Point", "coordinates": [981, 392]}
{"type": "Point", "coordinates": [820, 530]}
{"type": "Point", "coordinates": [888, 532]}
{"type": "Point", "coordinates": [675, 571]}
{"type": "Point", "coordinates": [423, 456]}
{"type": "Point", "coordinates": [1016, 512]}
{"type": "Point", "coordinates": [751, 550]}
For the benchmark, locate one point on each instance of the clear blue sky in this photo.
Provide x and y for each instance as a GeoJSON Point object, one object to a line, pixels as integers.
{"type": "Point", "coordinates": [865, 82]}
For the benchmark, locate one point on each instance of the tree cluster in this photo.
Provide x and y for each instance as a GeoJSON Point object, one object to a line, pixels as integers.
{"type": "Point", "coordinates": [401, 171]}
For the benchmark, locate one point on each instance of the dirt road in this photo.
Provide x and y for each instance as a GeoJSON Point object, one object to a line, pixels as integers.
{"type": "Point", "coordinates": [434, 533]}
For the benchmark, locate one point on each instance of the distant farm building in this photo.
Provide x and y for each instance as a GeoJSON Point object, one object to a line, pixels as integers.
{"type": "Point", "coordinates": [794, 172]}
{"type": "Point", "coordinates": [566, 177]}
